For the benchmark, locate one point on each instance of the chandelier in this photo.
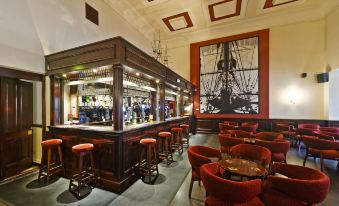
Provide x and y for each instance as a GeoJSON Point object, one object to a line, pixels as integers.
{"type": "Point", "coordinates": [158, 52]}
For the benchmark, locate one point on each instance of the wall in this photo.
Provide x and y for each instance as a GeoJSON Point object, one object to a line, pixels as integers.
{"type": "Point", "coordinates": [334, 95]}
{"type": "Point", "coordinates": [30, 29]}
{"type": "Point", "coordinates": [294, 49]}
{"type": "Point", "coordinates": [332, 43]}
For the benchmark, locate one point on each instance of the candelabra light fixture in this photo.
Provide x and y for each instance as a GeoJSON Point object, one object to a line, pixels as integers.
{"type": "Point", "coordinates": [158, 52]}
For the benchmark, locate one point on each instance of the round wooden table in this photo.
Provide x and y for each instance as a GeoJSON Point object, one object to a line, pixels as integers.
{"type": "Point", "coordinates": [242, 168]}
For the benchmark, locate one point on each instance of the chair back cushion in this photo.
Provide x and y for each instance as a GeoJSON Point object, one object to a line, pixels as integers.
{"type": "Point", "coordinates": [252, 152]}
{"type": "Point", "coordinates": [269, 136]}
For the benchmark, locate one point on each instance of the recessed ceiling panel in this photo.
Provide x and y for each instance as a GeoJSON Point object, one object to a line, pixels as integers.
{"type": "Point", "coordinates": [178, 21]}
{"type": "Point", "coordinates": [224, 9]}
{"type": "Point", "coordinates": [273, 3]}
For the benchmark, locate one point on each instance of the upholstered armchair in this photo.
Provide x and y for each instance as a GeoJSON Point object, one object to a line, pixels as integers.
{"type": "Point", "coordinates": [305, 129]}
{"type": "Point", "coordinates": [252, 152]}
{"type": "Point", "coordinates": [198, 156]}
{"type": "Point", "coordinates": [227, 142]}
{"type": "Point", "coordinates": [300, 186]}
{"type": "Point", "coordinates": [324, 135]}
{"type": "Point", "coordinates": [239, 133]}
{"type": "Point", "coordinates": [278, 149]}
{"type": "Point", "coordinates": [223, 192]}
{"type": "Point", "coordinates": [287, 129]}
{"type": "Point", "coordinates": [249, 127]}
{"type": "Point", "coordinates": [224, 127]}
{"type": "Point", "coordinates": [231, 123]}
{"type": "Point", "coordinates": [324, 149]}
{"type": "Point", "coordinates": [269, 136]}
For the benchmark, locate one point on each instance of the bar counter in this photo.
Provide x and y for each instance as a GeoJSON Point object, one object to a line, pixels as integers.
{"type": "Point", "coordinates": [116, 152]}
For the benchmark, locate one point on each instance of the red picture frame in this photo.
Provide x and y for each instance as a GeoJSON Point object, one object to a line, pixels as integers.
{"type": "Point", "coordinates": [263, 36]}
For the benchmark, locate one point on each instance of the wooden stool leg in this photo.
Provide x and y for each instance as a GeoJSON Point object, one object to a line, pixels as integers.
{"type": "Point", "coordinates": [92, 167]}
{"type": "Point", "coordinates": [156, 162]}
{"type": "Point", "coordinates": [72, 172]}
{"type": "Point", "coordinates": [61, 160]}
{"type": "Point", "coordinates": [48, 163]}
{"type": "Point", "coordinates": [41, 163]}
{"type": "Point", "coordinates": [149, 165]}
{"type": "Point", "coordinates": [80, 173]}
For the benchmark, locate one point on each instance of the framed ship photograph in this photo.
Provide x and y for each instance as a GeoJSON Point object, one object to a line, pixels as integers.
{"type": "Point", "coordinates": [231, 76]}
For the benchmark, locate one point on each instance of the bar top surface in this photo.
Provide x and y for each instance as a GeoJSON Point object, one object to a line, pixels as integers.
{"type": "Point", "coordinates": [109, 129]}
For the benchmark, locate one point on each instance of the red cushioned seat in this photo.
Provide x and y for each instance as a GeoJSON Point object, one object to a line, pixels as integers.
{"type": "Point", "coordinates": [276, 198]}
{"type": "Point", "coordinates": [278, 157]}
{"type": "Point", "coordinates": [227, 142]}
{"type": "Point", "coordinates": [210, 200]}
{"type": "Point", "coordinates": [147, 141]}
{"type": "Point", "coordinates": [176, 129]}
{"type": "Point", "coordinates": [184, 126]}
{"type": "Point", "coordinates": [51, 142]}
{"type": "Point", "coordinates": [82, 147]}
{"type": "Point", "coordinates": [164, 134]}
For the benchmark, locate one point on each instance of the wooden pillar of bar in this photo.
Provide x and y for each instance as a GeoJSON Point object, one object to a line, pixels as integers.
{"type": "Point", "coordinates": [181, 104]}
{"type": "Point", "coordinates": [162, 101]}
{"type": "Point", "coordinates": [154, 101]}
{"type": "Point", "coordinates": [56, 103]}
{"type": "Point", "coordinates": [118, 91]}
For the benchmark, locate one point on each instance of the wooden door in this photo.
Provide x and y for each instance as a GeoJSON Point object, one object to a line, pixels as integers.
{"type": "Point", "coordinates": [16, 115]}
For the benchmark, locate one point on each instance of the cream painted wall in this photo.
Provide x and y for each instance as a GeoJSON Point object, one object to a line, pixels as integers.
{"type": "Point", "coordinates": [334, 95]}
{"type": "Point", "coordinates": [30, 29]}
{"type": "Point", "coordinates": [332, 42]}
{"type": "Point", "coordinates": [294, 49]}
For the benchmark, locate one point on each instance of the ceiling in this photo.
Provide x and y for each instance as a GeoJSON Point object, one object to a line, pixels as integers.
{"type": "Point", "coordinates": [193, 20]}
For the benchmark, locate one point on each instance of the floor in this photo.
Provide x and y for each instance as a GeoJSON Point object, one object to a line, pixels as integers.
{"type": "Point", "coordinates": [171, 187]}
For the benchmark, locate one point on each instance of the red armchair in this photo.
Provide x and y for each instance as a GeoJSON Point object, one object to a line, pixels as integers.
{"type": "Point", "coordinates": [232, 123]}
{"type": "Point", "coordinates": [305, 129]}
{"type": "Point", "coordinates": [227, 142]}
{"type": "Point", "coordinates": [303, 186]}
{"type": "Point", "coordinates": [249, 127]}
{"type": "Point", "coordinates": [269, 136]}
{"type": "Point", "coordinates": [224, 127]}
{"type": "Point", "coordinates": [239, 133]}
{"type": "Point", "coordinates": [197, 156]}
{"type": "Point", "coordinates": [278, 149]}
{"type": "Point", "coordinates": [223, 192]}
{"type": "Point", "coordinates": [324, 149]}
{"type": "Point", "coordinates": [330, 129]}
{"type": "Point", "coordinates": [252, 152]}
{"type": "Point", "coordinates": [287, 129]}
{"type": "Point", "coordinates": [324, 135]}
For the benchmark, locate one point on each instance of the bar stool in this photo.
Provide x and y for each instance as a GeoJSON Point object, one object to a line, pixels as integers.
{"type": "Point", "coordinates": [186, 134]}
{"type": "Point", "coordinates": [165, 145]}
{"type": "Point", "coordinates": [49, 168]}
{"type": "Point", "coordinates": [84, 175]}
{"type": "Point", "coordinates": [177, 139]}
{"type": "Point", "coordinates": [149, 164]}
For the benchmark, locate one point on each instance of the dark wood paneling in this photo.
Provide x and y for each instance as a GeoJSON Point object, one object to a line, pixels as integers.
{"type": "Point", "coordinates": [18, 74]}
{"type": "Point", "coordinates": [118, 91]}
{"type": "Point", "coordinates": [16, 117]}
{"type": "Point", "coordinates": [211, 125]}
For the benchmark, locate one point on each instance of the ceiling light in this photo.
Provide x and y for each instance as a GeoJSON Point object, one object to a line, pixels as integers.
{"type": "Point", "coordinates": [64, 75]}
{"type": "Point", "coordinates": [95, 70]}
{"type": "Point", "coordinates": [157, 81]}
{"type": "Point", "coordinates": [138, 74]}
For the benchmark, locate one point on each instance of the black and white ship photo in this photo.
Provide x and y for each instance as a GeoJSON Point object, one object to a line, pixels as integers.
{"type": "Point", "coordinates": [229, 77]}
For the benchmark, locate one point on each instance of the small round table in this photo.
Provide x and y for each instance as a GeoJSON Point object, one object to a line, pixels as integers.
{"type": "Point", "coordinates": [242, 168]}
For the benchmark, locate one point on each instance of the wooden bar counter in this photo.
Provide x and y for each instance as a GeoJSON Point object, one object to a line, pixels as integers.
{"type": "Point", "coordinates": [116, 152]}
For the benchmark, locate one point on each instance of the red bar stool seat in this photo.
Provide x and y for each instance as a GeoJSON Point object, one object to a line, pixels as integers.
{"type": "Point", "coordinates": [185, 134]}
{"type": "Point", "coordinates": [165, 145]}
{"type": "Point", "coordinates": [177, 139]}
{"type": "Point", "coordinates": [148, 163]}
{"type": "Point", "coordinates": [47, 166]}
{"type": "Point", "coordinates": [83, 172]}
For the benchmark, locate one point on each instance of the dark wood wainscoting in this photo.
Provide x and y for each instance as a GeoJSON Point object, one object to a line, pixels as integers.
{"type": "Point", "coordinates": [210, 125]}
